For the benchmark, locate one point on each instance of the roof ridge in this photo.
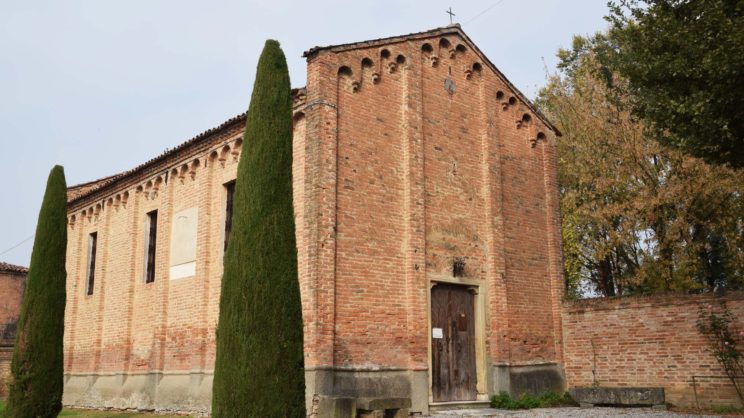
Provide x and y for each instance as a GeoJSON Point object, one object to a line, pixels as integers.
{"type": "Point", "coordinates": [88, 183]}
{"type": "Point", "coordinates": [349, 45]}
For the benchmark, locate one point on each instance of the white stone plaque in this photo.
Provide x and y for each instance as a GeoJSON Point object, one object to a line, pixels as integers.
{"type": "Point", "coordinates": [437, 333]}
{"type": "Point", "coordinates": [183, 243]}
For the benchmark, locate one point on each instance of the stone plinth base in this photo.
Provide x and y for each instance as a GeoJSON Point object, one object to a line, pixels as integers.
{"type": "Point", "coordinates": [182, 392]}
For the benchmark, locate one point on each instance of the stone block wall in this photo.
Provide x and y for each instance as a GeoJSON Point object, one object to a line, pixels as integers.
{"type": "Point", "coordinates": [6, 354]}
{"type": "Point", "coordinates": [648, 341]}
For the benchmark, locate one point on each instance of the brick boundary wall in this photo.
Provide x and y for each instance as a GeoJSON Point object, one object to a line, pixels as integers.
{"type": "Point", "coordinates": [648, 341]}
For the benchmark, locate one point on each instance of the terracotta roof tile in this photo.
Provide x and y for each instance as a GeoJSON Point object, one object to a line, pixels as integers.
{"type": "Point", "coordinates": [5, 267]}
{"type": "Point", "coordinates": [73, 192]}
{"type": "Point", "coordinates": [79, 191]}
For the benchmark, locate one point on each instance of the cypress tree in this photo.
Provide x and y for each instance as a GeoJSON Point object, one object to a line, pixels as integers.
{"type": "Point", "coordinates": [259, 366]}
{"type": "Point", "coordinates": [37, 369]}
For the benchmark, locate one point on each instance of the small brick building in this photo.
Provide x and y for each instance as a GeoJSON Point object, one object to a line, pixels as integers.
{"type": "Point", "coordinates": [12, 285]}
{"type": "Point", "coordinates": [426, 204]}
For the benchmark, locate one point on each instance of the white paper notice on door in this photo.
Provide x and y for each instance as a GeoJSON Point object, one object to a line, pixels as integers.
{"type": "Point", "coordinates": [437, 333]}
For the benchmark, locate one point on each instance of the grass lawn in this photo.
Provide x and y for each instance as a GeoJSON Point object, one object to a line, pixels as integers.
{"type": "Point", "coordinates": [81, 413]}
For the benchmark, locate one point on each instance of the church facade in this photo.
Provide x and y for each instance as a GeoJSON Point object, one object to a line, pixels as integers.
{"type": "Point", "coordinates": [428, 234]}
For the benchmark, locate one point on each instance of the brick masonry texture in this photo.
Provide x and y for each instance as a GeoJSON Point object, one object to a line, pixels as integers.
{"type": "Point", "coordinates": [12, 284]}
{"type": "Point", "coordinates": [396, 175]}
{"type": "Point", "coordinates": [647, 341]}
{"type": "Point", "coordinates": [409, 177]}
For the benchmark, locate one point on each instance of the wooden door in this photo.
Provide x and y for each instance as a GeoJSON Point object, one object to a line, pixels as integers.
{"type": "Point", "coordinates": [452, 343]}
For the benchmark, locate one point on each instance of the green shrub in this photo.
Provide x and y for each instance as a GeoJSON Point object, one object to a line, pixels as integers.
{"type": "Point", "coordinates": [37, 368]}
{"type": "Point", "coordinates": [727, 409]}
{"type": "Point", "coordinates": [259, 370]}
{"type": "Point", "coordinates": [545, 400]}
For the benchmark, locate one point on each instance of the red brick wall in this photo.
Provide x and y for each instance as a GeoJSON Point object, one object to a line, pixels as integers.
{"type": "Point", "coordinates": [127, 325]}
{"type": "Point", "coordinates": [400, 178]}
{"type": "Point", "coordinates": [11, 294]}
{"type": "Point", "coordinates": [647, 341]}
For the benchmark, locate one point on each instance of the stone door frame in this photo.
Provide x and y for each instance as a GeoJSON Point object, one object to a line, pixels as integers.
{"type": "Point", "coordinates": [477, 287]}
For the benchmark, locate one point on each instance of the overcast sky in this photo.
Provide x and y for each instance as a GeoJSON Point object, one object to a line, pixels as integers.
{"type": "Point", "coordinates": [101, 86]}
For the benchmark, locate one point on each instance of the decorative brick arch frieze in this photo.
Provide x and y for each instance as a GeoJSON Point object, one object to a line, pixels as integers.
{"type": "Point", "coordinates": [152, 186]}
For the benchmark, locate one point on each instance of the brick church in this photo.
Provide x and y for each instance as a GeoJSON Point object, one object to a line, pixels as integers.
{"type": "Point", "coordinates": [429, 249]}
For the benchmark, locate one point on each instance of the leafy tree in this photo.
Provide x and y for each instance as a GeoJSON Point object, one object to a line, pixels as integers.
{"type": "Point", "coordinates": [684, 64]}
{"type": "Point", "coordinates": [638, 217]}
{"type": "Point", "coordinates": [259, 366]}
{"type": "Point", "coordinates": [37, 368]}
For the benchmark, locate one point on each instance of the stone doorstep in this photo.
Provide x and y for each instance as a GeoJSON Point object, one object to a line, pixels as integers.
{"type": "Point", "coordinates": [458, 405]}
{"type": "Point", "coordinates": [589, 397]}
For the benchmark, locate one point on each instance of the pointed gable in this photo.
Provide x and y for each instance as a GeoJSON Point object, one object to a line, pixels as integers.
{"type": "Point", "coordinates": [432, 38]}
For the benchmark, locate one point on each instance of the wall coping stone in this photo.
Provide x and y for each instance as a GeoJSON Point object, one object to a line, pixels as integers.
{"type": "Point", "coordinates": [641, 301]}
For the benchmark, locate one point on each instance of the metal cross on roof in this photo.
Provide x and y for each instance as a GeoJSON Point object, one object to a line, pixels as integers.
{"type": "Point", "coordinates": [449, 12]}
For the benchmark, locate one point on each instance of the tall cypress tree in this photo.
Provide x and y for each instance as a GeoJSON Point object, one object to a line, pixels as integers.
{"type": "Point", "coordinates": [36, 387]}
{"type": "Point", "coordinates": [259, 366]}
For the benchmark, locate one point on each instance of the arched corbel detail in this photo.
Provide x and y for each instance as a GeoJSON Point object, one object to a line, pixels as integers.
{"type": "Point", "coordinates": [345, 73]}
{"type": "Point", "coordinates": [193, 167]}
{"type": "Point", "coordinates": [182, 172]}
{"type": "Point", "coordinates": [386, 62]}
{"type": "Point", "coordinates": [474, 69]}
{"type": "Point", "coordinates": [506, 103]}
{"type": "Point", "coordinates": [224, 152]}
{"type": "Point", "coordinates": [444, 44]}
{"type": "Point", "coordinates": [365, 66]}
{"type": "Point", "coordinates": [539, 137]}
{"type": "Point", "coordinates": [156, 185]}
{"type": "Point", "coordinates": [428, 52]}
{"type": "Point", "coordinates": [524, 121]}
{"type": "Point", "coordinates": [148, 190]}
{"type": "Point", "coordinates": [237, 148]}
{"type": "Point", "coordinates": [400, 61]}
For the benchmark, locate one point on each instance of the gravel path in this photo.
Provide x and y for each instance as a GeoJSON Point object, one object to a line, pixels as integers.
{"type": "Point", "coordinates": [565, 413]}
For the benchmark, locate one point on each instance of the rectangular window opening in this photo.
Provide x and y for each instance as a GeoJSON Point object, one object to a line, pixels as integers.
{"type": "Point", "coordinates": [152, 221]}
{"type": "Point", "coordinates": [92, 243]}
{"type": "Point", "coordinates": [230, 192]}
